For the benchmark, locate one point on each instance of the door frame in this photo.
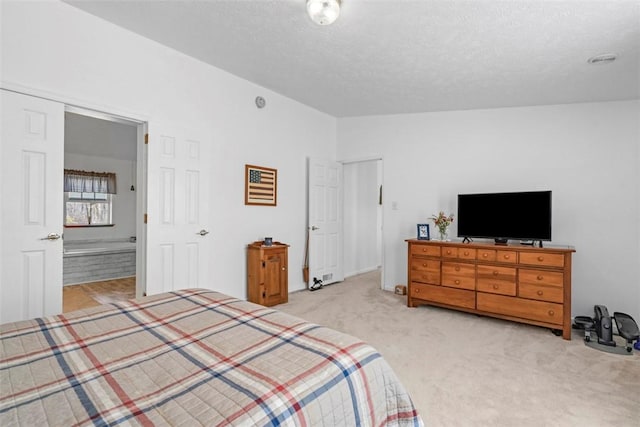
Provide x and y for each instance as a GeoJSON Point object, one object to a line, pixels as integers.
{"type": "Point", "coordinates": [111, 113]}
{"type": "Point", "coordinates": [381, 231]}
{"type": "Point", "coordinates": [141, 187]}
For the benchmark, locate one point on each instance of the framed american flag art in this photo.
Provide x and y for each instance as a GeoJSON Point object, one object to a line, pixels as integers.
{"type": "Point", "coordinates": [261, 185]}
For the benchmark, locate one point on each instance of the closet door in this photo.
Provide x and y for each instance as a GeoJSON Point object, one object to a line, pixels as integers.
{"type": "Point", "coordinates": [31, 217]}
{"type": "Point", "coordinates": [325, 221]}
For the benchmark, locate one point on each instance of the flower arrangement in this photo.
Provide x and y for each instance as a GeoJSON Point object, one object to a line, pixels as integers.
{"type": "Point", "coordinates": [442, 221]}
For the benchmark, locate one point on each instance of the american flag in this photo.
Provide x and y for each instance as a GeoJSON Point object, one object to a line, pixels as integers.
{"type": "Point", "coordinates": [261, 186]}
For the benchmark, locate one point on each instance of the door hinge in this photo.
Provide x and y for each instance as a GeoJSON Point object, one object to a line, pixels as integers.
{"type": "Point", "coordinates": [146, 138]}
{"type": "Point", "coordinates": [145, 218]}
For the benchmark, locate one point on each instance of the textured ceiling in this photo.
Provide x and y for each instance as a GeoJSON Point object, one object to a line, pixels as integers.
{"type": "Point", "coordinates": [401, 56]}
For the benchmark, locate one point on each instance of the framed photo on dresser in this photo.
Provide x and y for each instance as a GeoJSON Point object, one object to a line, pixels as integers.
{"type": "Point", "coordinates": [423, 232]}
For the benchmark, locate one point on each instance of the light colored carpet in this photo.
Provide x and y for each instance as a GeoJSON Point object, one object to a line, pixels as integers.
{"type": "Point", "coordinates": [463, 370]}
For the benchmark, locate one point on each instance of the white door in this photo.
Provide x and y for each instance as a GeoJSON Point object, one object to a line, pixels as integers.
{"type": "Point", "coordinates": [32, 211]}
{"type": "Point", "coordinates": [325, 221]}
{"type": "Point", "coordinates": [178, 239]}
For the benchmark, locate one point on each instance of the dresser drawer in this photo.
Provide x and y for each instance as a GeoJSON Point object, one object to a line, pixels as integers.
{"type": "Point", "coordinates": [541, 277]}
{"type": "Point", "coordinates": [486, 255]}
{"type": "Point", "coordinates": [449, 252]}
{"type": "Point", "coordinates": [424, 264]}
{"type": "Point", "coordinates": [459, 275]}
{"type": "Point", "coordinates": [427, 250]}
{"type": "Point", "coordinates": [501, 287]}
{"type": "Point", "coordinates": [432, 277]}
{"type": "Point", "coordinates": [461, 253]}
{"type": "Point", "coordinates": [507, 256]}
{"type": "Point", "coordinates": [466, 253]}
{"type": "Point", "coordinates": [442, 295]}
{"type": "Point", "coordinates": [425, 270]}
{"type": "Point", "coordinates": [492, 273]}
{"type": "Point", "coordinates": [522, 308]}
{"type": "Point", "coordinates": [541, 293]}
{"type": "Point", "coordinates": [546, 259]}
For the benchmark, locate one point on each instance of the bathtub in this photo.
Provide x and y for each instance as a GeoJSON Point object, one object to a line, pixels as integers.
{"type": "Point", "coordinates": [84, 247]}
{"type": "Point", "coordinates": [97, 260]}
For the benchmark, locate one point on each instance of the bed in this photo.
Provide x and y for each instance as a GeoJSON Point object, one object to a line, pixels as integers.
{"type": "Point", "coordinates": [193, 357]}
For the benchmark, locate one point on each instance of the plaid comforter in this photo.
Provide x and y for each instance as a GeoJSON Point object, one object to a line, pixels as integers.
{"type": "Point", "coordinates": [192, 357]}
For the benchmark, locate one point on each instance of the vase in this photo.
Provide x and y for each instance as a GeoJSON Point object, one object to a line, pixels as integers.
{"type": "Point", "coordinates": [444, 234]}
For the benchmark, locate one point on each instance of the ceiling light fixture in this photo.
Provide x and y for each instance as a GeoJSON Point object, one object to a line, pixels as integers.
{"type": "Point", "coordinates": [323, 12]}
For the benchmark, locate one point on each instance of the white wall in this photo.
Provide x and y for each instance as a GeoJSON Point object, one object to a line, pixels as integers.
{"type": "Point", "coordinates": [361, 217]}
{"type": "Point", "coordinates": [124, 202]}
{"type": "Point", "coordinates": [587, 154]}
{"type": "Point", "coordinates": [53, 47]}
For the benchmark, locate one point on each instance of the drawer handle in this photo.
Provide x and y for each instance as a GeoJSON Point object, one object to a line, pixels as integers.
{"type": "Point", "coordinates": [539, 277]}
{"type": "Point", "coordinates": [457, 282]}
{"type": "Point", "coordinates": [424, 277]}
{"type": "Point", "coordinates": [424, 249]}
{"type": "Point", "coordinates": [506, 257]}
{"type": "Point", "coordinates": [457, 268]}
{"type": "Point", "coordinates": [417, 291]}
{"type": "Point", "coordinates": [495, 273]}
{"type": "Point", "coordinates": [540, 258]}
{"type": "Point", "coordinates": [551, 313]}
{"type": "Point", "coordinates": [485, 255]}
{"type": "Point", "coordinates": [448, 252]}
{"type": "Point", "coordinates": [424, 264]}
{"type": "Point", "coordinates": [466, 253]}
{"type": "Point", "coordinates": [496, 287]}
{"type": "Point", "coordinates": [540, 293]}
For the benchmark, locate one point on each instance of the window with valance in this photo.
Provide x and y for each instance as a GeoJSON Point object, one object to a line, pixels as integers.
{"type": "Point", "coordinates": [89, 182]}
{"type": "Point", "coordinates": [88, 198]}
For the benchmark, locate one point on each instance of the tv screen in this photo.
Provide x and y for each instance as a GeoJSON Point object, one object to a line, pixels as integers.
{"type": "Point", "coordinates": [503, 216]}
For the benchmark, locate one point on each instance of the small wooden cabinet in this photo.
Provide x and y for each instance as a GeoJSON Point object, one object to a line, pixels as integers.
{"type": "Point", "coordinates": [514, 282]}
{"type": "Point", "coordinates": [267, 273]}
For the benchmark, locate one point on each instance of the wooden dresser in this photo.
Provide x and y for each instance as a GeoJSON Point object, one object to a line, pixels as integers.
{"type": "Point", "coordinates": [514, 282]}
{"type": "Point", "coordinates": [267, 273]}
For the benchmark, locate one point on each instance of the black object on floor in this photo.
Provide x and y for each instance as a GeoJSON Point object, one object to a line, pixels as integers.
{"type": "Point", "coordinates": [627, 328]}
{"type": "Point", "coordinates": [585, 323]}
{"type": "Point", "coordinates": [604, 327]}
{"type": "Point", "coordinates": [317, 284]}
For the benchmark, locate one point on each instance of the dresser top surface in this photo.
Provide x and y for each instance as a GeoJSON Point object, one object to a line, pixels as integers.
{"type": "Point", "coordinates": [491, 245]}
{"type": "Point", "coordinates": [260, 245]}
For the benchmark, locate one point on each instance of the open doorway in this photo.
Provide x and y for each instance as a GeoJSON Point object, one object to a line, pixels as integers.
{"type": "Point", "coordinates": [103, 196]}
{"type": "Point", "coordinates": [363, 217]}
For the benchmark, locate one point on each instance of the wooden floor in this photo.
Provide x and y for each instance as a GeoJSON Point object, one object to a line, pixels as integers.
{"type": "Point", "coordinates": [84, 295]}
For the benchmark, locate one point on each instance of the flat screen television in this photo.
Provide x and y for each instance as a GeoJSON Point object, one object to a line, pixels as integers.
{"type": "Point", "coordinates": [522, 215]}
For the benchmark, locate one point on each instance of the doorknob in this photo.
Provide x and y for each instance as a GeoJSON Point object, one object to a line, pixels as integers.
{"type": "Point", "coordinates": [51, 236]}
{"type": "Point", "coordinates": [203, 232]}
{"type": "Point", "coordinates": [314, 228]}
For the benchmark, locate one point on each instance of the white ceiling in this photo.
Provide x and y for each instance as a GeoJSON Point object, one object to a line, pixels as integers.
{"type": "Point", "coordinates": [403, 56]}
{"type": "Point", "coordinates": [101, 138]}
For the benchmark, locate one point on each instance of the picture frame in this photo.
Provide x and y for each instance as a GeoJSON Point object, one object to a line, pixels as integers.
{"type": "Point", "coordinates": [423, 232]}
{"type": "Point", "coordinates": [260, 185]}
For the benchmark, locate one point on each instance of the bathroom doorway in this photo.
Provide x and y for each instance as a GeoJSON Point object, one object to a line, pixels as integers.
{"type": "Point", "coordinates": [101, 209]}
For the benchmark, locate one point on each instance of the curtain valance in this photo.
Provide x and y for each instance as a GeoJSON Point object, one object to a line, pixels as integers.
{"type": "Point", "coordinates": [89, 182]}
